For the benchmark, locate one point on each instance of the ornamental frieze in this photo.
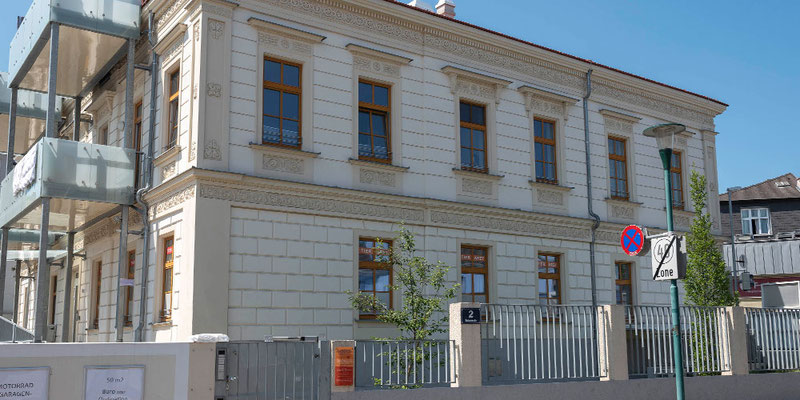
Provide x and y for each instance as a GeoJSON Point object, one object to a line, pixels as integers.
{"type": "Point", "coordinates": [172, 201]}
{"type": "Point", "coordinates": [310, 203]}
{"type": "Point", "coordinates": [500, 224]}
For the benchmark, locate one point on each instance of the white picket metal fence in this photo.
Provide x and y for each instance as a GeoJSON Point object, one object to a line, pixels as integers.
{"type": "Point", "coordinates": [522, 343]}
{"type": "Point", "coordinates": [649, 340]}
{"type": "Point", "coordinates": [382, 364]}
{"type": "Point", "coordinates": [773, 339]}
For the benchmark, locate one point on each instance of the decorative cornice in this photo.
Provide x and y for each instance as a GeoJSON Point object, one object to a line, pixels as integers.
{"type": "Point", "coordinates": [505, 55]}
{"type": "Point", "coordinates": [266, 148]}
{"type": "Point", "coordinates": [172, 201]}
{"type": "Point", "coordinates": [477, 175]}
{"type": "Point", "coordinates": [620, 116]}
{"type": "Point", "coordinates": [473, 84]}
{"type": "Point", "coordinates": [546, 94]}
{"type": "Point", "coordinates": [377, 54]}
{"type": "Point", "coordinates": [550, 186]}
{"type": "Point", "coordinates": [378, 165]}
{"type": "Point", "coordinates": [284, 30]}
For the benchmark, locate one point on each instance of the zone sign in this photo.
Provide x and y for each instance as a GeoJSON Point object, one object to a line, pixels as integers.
{"type": "Point", "coordinates": [665, 258]}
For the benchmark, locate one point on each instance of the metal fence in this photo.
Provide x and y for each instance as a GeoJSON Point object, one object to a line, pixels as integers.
{"type": "Point", "coordinates": [11, 332]}
{"type": "Point", "coordinates": [289, 369]}
{"type": "Point", "coordinates": [382, 364]}
{"type": "Point", "coordinates": [649, 340]}
{"type": "Point", "coordinates": [538, 343]}
{"type": "Point", "coordinates": [773, 339]}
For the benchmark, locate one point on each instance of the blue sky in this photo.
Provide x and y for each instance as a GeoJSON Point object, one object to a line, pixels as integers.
{"type": "Point", "coordinates": [744, 53]}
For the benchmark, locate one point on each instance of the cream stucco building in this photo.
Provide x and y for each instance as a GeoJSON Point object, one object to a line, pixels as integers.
{"type": "Point", "coordinates": [290, 133]}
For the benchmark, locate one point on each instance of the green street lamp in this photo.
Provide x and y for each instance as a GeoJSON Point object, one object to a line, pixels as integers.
{"type": "Point", "coordinates": [665, 137]}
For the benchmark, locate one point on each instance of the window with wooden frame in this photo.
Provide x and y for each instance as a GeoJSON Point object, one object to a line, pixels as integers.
{"type": "Point", "coordinates": [53, 297]}
{"type": "Point", "coordinates": [676, 179]}
{"type": "Point", "coordinates": [473, 136]}
{"type": "Point", "coordinates": [137, 143]}
{"type": "Point", "coordinates": [544, 137]}
{"type": "Point", "coordinates": [618, 168]}
{"type": "Point", "coordinates": [131, 275]}
{"type": "Point", "coordinates": [474, 274]}
{"type": "Point", "coordinates": [98, 285]}
{"type": "Point", "coordinates": [281, 108]}
{"type": "Point", "coordinates": [374, 106]}
{"type": "Point", "coordinates": [166, 279]}
{"type": "Point", "coordinates": [549, 279]}
{"type": "Point", "coordinates": [375, 272]}
{"type": "Point", "coordinates": [622, 280]}
{"type": "Point", "coordinates": [174, 108]}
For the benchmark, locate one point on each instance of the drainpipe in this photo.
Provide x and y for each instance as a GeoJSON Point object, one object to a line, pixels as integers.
{"type": "Point", "coordinates": [148, 178]}
{"type": "Point", "coordinates": [596, 222]}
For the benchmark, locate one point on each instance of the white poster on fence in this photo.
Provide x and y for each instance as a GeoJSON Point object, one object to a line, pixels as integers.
{"type": "Point", "coordinates": [24, 383]}
{"type": "Point", "coordinates": [115, 383]}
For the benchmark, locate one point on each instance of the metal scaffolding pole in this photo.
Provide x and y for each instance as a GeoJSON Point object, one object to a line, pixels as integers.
{"type": "Point", "coordinates": [17, 269]}
{"type": "Point", "coordinates": [67, 286]}
{"type": "Point", "coordinates": [3, 266]}
{"type": "Point", "coordinates": [76, 133]}
{"type": "Point", "coordinates": [122, 271]}
{"type": "Point", "coordinates": [12, 126]}
{"type": "Point", "coordinates": [43, 272]}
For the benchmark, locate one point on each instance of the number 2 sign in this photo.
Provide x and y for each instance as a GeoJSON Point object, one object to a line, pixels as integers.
{"type": "Point", "coordinates": [470, 315]}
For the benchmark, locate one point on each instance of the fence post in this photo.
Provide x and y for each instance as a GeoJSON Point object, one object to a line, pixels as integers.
{"type": "Point", "coordinates": [465, 356]}
{"type": "Point", "coordinates": [733, 341]}
{"type": "Point", "coordinates": [612, 343]}
{"type": "Point", "coordinates": [343, 371]}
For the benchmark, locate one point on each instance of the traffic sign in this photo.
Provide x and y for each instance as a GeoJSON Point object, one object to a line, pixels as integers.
{"type": "Point", "coordinates": [634, 240]}
{"type": "Point", "coordinates": [667, 259]}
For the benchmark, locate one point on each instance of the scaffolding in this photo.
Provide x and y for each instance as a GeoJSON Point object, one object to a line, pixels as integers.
{"type": "Point", "coordinates": [64, 48]}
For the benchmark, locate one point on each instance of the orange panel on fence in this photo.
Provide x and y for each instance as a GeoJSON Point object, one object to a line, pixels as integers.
{"type": "Point", "coordinates": [343, 361]}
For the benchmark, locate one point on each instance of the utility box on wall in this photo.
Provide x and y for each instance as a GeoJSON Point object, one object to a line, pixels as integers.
{"type": "Point", "coordinates": [781, 295]}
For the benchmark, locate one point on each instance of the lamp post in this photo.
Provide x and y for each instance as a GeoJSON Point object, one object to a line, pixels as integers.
{"type": "Point", "coordinates": [665, 137]}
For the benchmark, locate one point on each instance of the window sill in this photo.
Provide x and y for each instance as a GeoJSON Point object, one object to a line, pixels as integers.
{"type": "Point", "coordinates": [550, 186]}
{"type": "Point", "coordinates": [162, 325]}
{"type": "Point", "coordinates": [283, 150]}
{"type": "Point", "coordinates": [377, 164]}
{"type": "Point", "coordinates": [476, 174]}
{"type": "Point", "coordinates": [167, 155]}
{"type": "Point", "coordinates": [623, 202]}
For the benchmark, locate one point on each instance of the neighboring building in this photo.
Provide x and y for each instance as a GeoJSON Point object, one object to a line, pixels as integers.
{"type": "Point", "coordinates": [291, 134]}
{"type": "Point", "coordinates": [766, 229]}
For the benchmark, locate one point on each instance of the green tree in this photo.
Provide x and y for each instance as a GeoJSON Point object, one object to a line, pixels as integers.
{"type": "Point", "coordinates": [424, 288]}
{"type": "Point", "coordinates": [707, 282]}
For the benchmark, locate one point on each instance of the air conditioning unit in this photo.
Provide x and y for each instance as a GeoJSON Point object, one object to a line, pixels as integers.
{"type": "Point", "coordinates": [780, 295]}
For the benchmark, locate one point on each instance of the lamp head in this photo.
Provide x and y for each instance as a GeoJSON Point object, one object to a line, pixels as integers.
{"type": "Point", "coordinates": [664, 134]}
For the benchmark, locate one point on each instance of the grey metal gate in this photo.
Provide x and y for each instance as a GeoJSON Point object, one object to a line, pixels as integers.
{"type": "Point", "coordinates": [274, 369]}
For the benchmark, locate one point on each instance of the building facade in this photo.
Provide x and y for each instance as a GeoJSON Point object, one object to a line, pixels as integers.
{"type": "Point", "coordinates": [766, 232]}
{"type": "Point", "coordinates": [292, 134]}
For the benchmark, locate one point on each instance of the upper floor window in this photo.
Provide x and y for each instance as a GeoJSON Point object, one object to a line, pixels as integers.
{"type": "Point", "coordinates": [137, 142]}
{"type": "Point", "coordinates": [375, 272]}
{"type": "Point", "coordinates": [473, 137]}
{"type": "Point", "coordinates": [174, 118]}
{"type": "Point", "coordinates": [549, 279]}
{"type": "Point", "coordinates": [618, 168]}
{"type": "Point", "coordinates": [474, 274]}
{"type": "Point", "coordinates": [373, 122]}
{"type": "Point", "coordinates": [755, 221]}
{"type": "Point", "coordinates": [281, 114]}
{"type": "Point", "coordinates": [53, 298]}
{"type": "Point", "coordinates": [676, 179]}
{"type": "Point", "coordinates": [131, 273]}
{"type": "Point", "coordinates": [544, 133]}
{"type": "Point", "coordinates": [102, 137]}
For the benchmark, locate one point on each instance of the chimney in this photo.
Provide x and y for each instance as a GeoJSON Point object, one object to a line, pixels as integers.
{"type": "Point", "coordinates": [423, 5]}
{"type": "Point", "coordinates": [446, 8]}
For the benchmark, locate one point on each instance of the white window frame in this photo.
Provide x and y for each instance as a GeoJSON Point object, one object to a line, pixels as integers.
{"type": "Point", "coordinates": [758, 218]}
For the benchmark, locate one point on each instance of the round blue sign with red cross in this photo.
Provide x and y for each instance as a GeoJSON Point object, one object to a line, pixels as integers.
{"type": "Point", "coordinates": [632, 240]}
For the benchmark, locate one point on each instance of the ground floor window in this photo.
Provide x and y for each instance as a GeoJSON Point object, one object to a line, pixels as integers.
{"type": "Point", "coordinates": [166, 279]}
{"type": "Point", "coordinates": [474, 274]}
{"type": "Point", "coordinates": [549, 279]}
{"type": "Point", "coordinates": [623, 283]}
{"type": "Point", "coordinates": [375, 272]}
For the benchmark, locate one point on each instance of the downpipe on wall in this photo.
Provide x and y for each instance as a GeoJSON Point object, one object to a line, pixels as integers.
{"type": "Point", "coordinates": [148, 174]}
{"type": "Point", "coordinates": [592, 214]}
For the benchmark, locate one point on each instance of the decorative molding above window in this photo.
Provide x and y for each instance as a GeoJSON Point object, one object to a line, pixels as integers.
{"type": "Point", "coordinates": [177, 32]}
{"type": "Point", "coordinates": [377, 61]}
{"type": "Point", "coordinates": [284, 31]}
{"type": "Point", "coordinates": [618, 123]}
{"type": "Point", "coordinates": [622, 211]}
{"type": "Point", "coordinates": [546, 103]}
{"type": "Point", "coordinates": [474, 85]}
